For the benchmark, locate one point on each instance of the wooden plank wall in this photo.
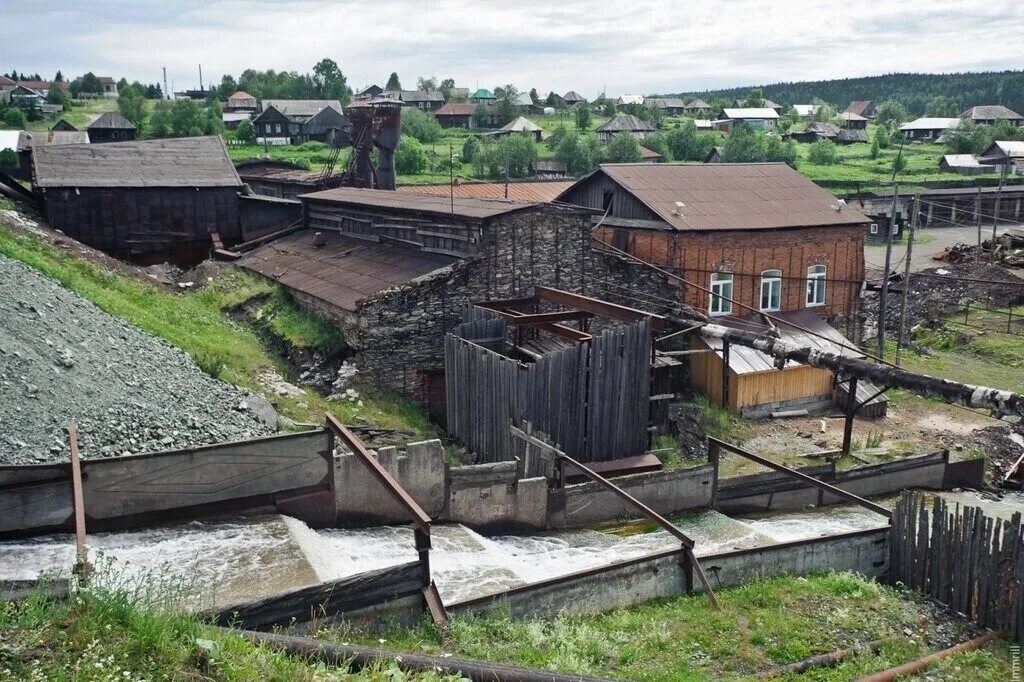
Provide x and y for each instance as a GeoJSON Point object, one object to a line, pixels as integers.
{"type": "Point", "coordinates": [591, 400]}
{"type": "Point", "coordinates": [962, 557]}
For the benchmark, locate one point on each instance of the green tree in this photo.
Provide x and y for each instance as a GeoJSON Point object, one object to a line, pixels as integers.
{"type": "Point", "coordinates": [447, 85]}
{"type": "Point", "coordinates": [899, 163]}
{"type": "Point", "coordinates": [426, 83]}
{"type": "Point", "coordinates": [623, 148]}
{"type": "Point", "coordinates": [513, 153]}
{"type": "Point", "coordinates": [777, 150]}
{"type": "Point", "coordinates": [580, 152]}
{"type": "Point", "coordinates": [682, 141]}
{"type": "Point", "coordinates": [882, 136]}
{"type": "Point", "coordinates": [421, 125]}
{"type": "Point", "coordinates": [891, 114]}
{"type": "Point", "coordinates": [213, 123]}
{"type": "Point", "coordinates": [941, 107]}
{"type": "Point", "coordinates": [329, 81]}
{"type": "Point", "coordinates": [534, 97]}
{"type": "Point", "coordinates": [583, 117]}
{"type": "Point", "coordinates": [75, 88]}
{"type": "Point", "coordinates": [823, 153]}
{"type": "Point", "coordinates": [658, 142]}
{"type": "Point", "coordinates": [505, 104]}
{"type": "Point", "coordinates": [15, 118]}
{"type": "Point", "coordinates": [481, 115]}
{"type": "Point", "coordinates": [246, 132]}
{"type": "Point", "coordinates": [410, 157]}
{"type": "Point", "coordinates": [754, 99]}
{"type": "Point", "coordinates": [393, 82]}
{"type": "Point", "coordinates": [132, 105]}
{"type": "Point", "coordinates": [967, 138]}
{"type": "Point", "coordinates": [555, 138]}
{"type": "Point", "coordinates": [8, 159]}
{"type": "Point", "coordinates": [228, 86]}
{"type": "Point", "coordinates": [875, 149]}
{"type": "Point", "coordinates": [744, 145]}
{"type": "Point", "coordinates": [159, 123]}
{"type": "Point", "coordinates": [90, 85]}
{"type": "Point", "coordinates": [609, 108]}
{"type": "Point", "coordinates": [470, 149]}
{"type": "Point", "coordinates": [55, 95]}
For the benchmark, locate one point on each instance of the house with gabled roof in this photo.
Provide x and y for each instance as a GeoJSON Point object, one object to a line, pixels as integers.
{"type": "Point", "coordinates": [673, 106]}
{"type": "Point", "coordinates": [424, 100]}
{"type": "Point", "coordinates": [625, 124]}
{"type": "Point", "coordinates": [294, 121]}
{"type": "Point", "coordinates": [241, 102]}
{"type": "Point", "coordinates": [111, 126]}
{"type": "Point", "coordinates": [482, 95]}
{"type": "Point", "coordinates": [990, 114]}
{"type": "Point", "coordinates": [696, 107]}
{"type": "Point", "coordinates": [862, 107]}
{"type": "Point", "coordinates": [572, 98]}
{"type": "Point", "coordinates": [752, 238]}
{"type": "Point", "coordinates": [761, 118]}
{"type": "Point", "coordinates": [1004, 153]}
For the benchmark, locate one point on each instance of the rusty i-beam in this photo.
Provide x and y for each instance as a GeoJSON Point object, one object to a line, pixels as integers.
{"type": "Point", "coordinates": [420, 519]}
{"type": "Point", "coordinates": [689, 560]}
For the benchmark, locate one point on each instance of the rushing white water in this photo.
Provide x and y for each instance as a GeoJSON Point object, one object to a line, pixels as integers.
{"type": "Point", "coordinates": [220, 563]}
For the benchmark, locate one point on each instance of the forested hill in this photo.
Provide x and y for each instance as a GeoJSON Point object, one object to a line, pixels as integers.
{"type": "Point", "coordinates": [913, 90]}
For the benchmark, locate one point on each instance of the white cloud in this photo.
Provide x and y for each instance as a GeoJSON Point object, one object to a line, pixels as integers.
{"type": "Point", "coordinates": [650, 46]}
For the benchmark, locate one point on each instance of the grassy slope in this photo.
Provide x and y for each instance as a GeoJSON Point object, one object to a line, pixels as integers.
{"type": "Point", "coordinates": [197, 322]}
{"type": "Point", "coordinates": [762, 624]}
{"type": "Point", "coordinates": [98, 636]}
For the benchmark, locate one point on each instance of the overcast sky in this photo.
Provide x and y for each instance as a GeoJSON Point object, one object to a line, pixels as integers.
{"type": "Point", "coordinates": [639, 46]}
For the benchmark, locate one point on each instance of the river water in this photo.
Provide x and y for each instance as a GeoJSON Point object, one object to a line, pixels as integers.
{"type": "Point", "coordinates": [220, 563]}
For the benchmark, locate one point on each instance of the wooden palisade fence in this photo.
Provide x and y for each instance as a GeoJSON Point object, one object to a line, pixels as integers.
{"type": "Point", "coordinates": [972, 562]}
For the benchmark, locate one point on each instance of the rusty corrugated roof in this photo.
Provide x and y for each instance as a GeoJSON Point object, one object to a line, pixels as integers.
{"type": "Point", "coordinates": [456, 109]}
{"type": "Point", "coordinates": [537, 192]}
{"type": "Point", "coordinates": [403, 201]}
{"type": "Point", "coordinates": [343, 271]}
{"type": "Point", "coordinates": [730, 196]}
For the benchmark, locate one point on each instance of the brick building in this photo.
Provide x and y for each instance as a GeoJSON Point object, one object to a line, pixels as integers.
{"type": "Point", "coordinates": [396, 270]}
{"type": "Point", "coordinates": [760, 234]}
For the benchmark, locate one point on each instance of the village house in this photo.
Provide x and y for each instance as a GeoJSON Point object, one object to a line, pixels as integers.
{"type": "Point", "coordinates": [145, 199]}
{"type": "Point", "coordinates": [625, 124]}
{"type": "Point", "coordinates": [521, 125]}
{"type": "Point", "coordinates": [295, 121]}
{"type": "Point", "coordinates": [482, 96]}
{"type": "Point", "coordinates": [241, 101]}
{"type": "Point", "coordinates": [395, 270]}
{"type": "Point", "coordinates": [862, 107]}
{"type": "Point", "coordinates": [107, 84]}
{"type": "Point", "coordinates": [761, 118]}
{"type": "Point", "coordinates": [63, 125]}
{"type": "Point", "coordinates": [768, 104]}
{"type": "Point", "coordinates": [233, 119]}
{"type": "Point", "coordinates": [572, 98]}
{"type": "Point", "coordinates": [456, 115]}
{"type": "Point", "coordinates": [852, 121]}
{"type": "Point", "coordinates": [697, 108]}
{"type": "Point", "coordinates": [28, 141]}
{"type": "Point", "coordinates": [1004, 153]}
{"type": "Point", "coordinates": [672, 106]}
{"type": "Point", "coordinates": [964, 164]}
{"type": "Point", "coordinates": [549, 169]}
{"type": "Point", "coordinates": [44, 86]}
{"type": "Point", "coordinates": [847, 136]}
{"type": "Point", "coordinates": [751, 238]}
{"type": "Point", "coordinates": [424, 100]}
{"type": "Point", "coordinates": [370, 91]}
{"type": "Point", "coordinates": [111, 127]}
{"type": "Point", "coordinates": [625, 100]}
{"type": "Point", "coordinates": [278, 179]}
{"type": "Point", "coordinates": [6, 85]}
{"type": "Point", "coordinates": [814, 132]}
{"type": "Point", "coordinates": [990, 114]}
{"type": "Point", "coordinates": [928, 127]}
{"type": "Point", "coordinates": [525, 104]}
{"type": "Point", "coordinates": [650, 156]}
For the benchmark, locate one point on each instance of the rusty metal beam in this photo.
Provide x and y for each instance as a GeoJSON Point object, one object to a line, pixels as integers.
{"type": "Point", "coordinates": [419, 517]}
{"type": "Point", "coordinates": [810, 480]}
{"type": "Point", "coordinates": [78, 498]}
{"type": "Point", "coordinates": [532, 319]}
{"type": "Point", "coordinates": [507, 303]}
{"type": "Point", "coordinates": [667, 525]}
{"type": "Point", "coordinates": [597, 306]}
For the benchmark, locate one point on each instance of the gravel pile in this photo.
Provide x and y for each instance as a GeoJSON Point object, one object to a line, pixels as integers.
{"type": "Point", "coordinates": [63, 359]}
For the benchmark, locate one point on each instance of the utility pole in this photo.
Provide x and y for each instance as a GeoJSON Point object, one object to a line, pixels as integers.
{"type": "Point", "coordinates": [906, 278]}
{"type": "Point", "coordinates": [995, 213]}
{"type": "Point", "coordinates": [888, 255]}
{"type": "Point", "coordinates": [200, 78]}
{"type": "Point", "coordinates": [167, 93]}
{"type": "Point", "coordinates": [451, 176]}
{"type": "Point", "coordinates": [977, 220]}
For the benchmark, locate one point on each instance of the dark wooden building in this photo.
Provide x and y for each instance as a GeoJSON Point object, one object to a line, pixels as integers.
{"type": "Point", "coordinates": [294, 121]}
{"type": "Point", "coordinates": [146, 200]}
{"type": "Point", "coordinates": [64, 126]}
{"type": "Point", "coordinates": [272, 127]}
{"type": "Point", "coordinates": [278, 179]}
{"type": "Point", "coordinates": [111, 127]}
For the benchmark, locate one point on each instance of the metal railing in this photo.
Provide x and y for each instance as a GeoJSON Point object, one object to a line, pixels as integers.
{"type": "Point", "coordinates": [714, 445]}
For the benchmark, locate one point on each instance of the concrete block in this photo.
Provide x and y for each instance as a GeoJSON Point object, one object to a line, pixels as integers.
{"type": "Point", "coordinates": [500, 506]}
{"type": "Point", "coordinates": [421, 470]}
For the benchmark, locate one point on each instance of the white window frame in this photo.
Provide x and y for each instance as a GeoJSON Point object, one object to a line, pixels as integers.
{"type": "Point", "coordinates": [874, 228]}
{"type": "Point", "coordinates": [720, 298]}
{"type": "Point", "coordinates": [771, 284]}
{"type": "Point", "coordinates": [277, 127]}
{"type": "Point", "coordinates": [816, 285]}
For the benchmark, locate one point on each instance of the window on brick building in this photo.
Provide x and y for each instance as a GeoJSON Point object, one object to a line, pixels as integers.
{"type": "Point", "coordinates": [771, 290]}
{"type": "Point", "coordinates": [721, 293]}
{"type": "Point", "coordinates": [816, 285]}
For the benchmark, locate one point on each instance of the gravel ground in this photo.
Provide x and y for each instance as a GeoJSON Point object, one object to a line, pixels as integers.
{"type": "Point", "coordinates": [63, 359]}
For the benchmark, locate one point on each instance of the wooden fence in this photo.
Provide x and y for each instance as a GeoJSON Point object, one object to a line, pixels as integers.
{"type": "Point", "coordinates": [962, 557]}
{"type": "Point", "coordinates": [591, 400]}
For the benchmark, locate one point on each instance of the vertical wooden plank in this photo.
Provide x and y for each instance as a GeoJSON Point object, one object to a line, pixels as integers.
{"type": "Point", "coordinates": [78, 498]}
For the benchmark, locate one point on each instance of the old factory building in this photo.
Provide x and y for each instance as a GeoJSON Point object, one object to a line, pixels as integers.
{"type": "Point", "coordinates": [751, 240]}
{"type": "Point", "coordinates": [395, 270]}
{"type": "Point", "coordinates": [141, 200]}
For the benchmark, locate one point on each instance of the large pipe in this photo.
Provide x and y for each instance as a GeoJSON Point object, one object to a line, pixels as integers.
{"type": "Point", "coordinates": [359, 657]}
{"type": "Point", "coordinates": [926, 661]}
{"type": "Point", "coordinates": [998, 401]}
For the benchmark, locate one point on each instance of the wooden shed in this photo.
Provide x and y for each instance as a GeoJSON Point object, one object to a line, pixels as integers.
{"type": "Point", "coordinates": [147, 200]}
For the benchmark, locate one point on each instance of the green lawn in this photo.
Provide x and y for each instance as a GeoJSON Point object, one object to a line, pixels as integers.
{"type": "Point", "coordinates": [762, 624]}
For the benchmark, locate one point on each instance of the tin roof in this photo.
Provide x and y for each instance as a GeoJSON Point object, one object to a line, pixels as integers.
{"type": "Point", "coordinates": [730, 196]}
{"type": "Point", "coordinates": [27, 140]}
{"type": "Point", "coordinates": [664, 103]}
{"type": "Point", "coordinates": [851, 116]}
{"type": "Point", "coordinates": [174, 162]}
{"type": "Point", "coordinates": [343, 271]}
{"type": "Point", "coordinates": [241, 94]}
{"type": "Point", "coordinates": [302, 107]}
{"type": "Point", "coordinates": [482, 93]}
{"type": "Point", "coordinates": [405, 201]}
{"type": "Point", "coordinates": [743, 360]}
{"type": "Point", "coordinates": [648, 153]}
{"type": "Point", "coordinates": [931, 123]}
{"type": "Point", "coordinates": [698, 104]}
{"type": "Point", "coordinates": [750, 113]}
{"type": "Point", "coordinates": [536, 192]}
{"type": "Point", "coordinates": [859, 106]}
{"type": "Point", "coordinates": [573, 96]}
{"type": "Point", "coordinates": [626, 123]}
{"type": "Point", "coordinates": [961, 160]}
{"type": "Point", "coordinates": [988, 112]}
{"type": "Point", "coordinates": [456, 109]}
{"type": "Point", "coordinates": [520, 125]}
{"type": "Point", "coordinates": [421, 96]}
{"type": "Point", "coordinates": [112, 120]}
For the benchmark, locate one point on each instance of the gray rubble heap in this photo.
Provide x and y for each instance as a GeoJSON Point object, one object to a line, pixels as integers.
{"type": "Point", "coordinates": [63, 359]}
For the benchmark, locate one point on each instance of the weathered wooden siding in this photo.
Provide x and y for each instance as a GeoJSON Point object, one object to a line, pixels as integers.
{"type": "Point", "coordinates": [139, 221]}
{"type": "Point", "coordinates": [591, 193]}
{"type": "Point", "coordinates": [759, 388]}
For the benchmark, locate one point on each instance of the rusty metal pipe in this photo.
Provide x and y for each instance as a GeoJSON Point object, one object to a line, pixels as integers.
{"type": "Point", "coordinates": [359, 656]}
{"type": "Point", "coordinates": [925, 661]}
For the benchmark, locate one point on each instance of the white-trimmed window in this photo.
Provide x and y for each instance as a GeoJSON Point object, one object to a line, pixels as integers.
{"type": "Point", "coordinates": [816, 285]}
{"type": "Point", "coordinates": [277, 127]}
{"type": "Point", "coordinates": [771, 290]}
{"type": "Point", "coordinates": [721, 293]}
